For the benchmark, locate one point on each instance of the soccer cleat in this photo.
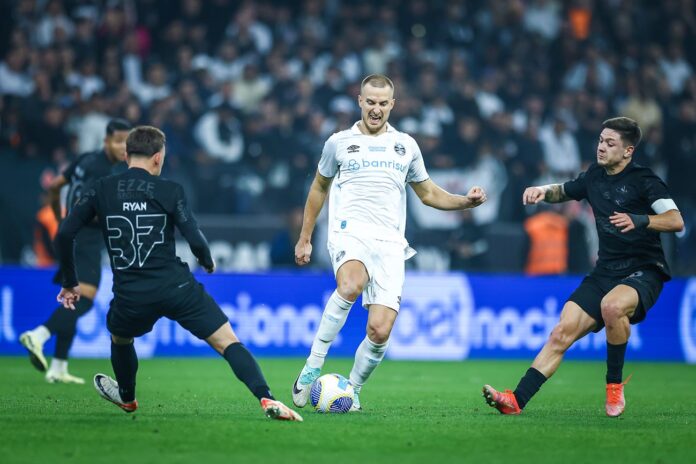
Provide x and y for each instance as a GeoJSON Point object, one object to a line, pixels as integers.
{"type": "Point", "coordinates": [356, 403]}
{"type": "Point", "coordinates": [616, 402]}
{"type": "Point", "coordinates": [303, 385]}
{"type": "Point", "coordinates": [276, 410]}
{"type": "Point", "coordinates": [35, 348]}
{"type": "Point", "coordinates": [63, 377]}
{"type": "Point", "coordinates": [108, 389]}
{"type": "Point", "coordinates": [505, 402]}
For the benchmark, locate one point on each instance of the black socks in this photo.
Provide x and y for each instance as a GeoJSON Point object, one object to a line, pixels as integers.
{"type": "Point", "coordinates": [615, 362]}
{"type": "Point", "coordinates": [529, 385]}
{"type": "Point", "coordinates": [124, 360]}
{"type": "Point", "coordinates": [63, 324]}
{"type": "Point", "coordinates": [247, 370]}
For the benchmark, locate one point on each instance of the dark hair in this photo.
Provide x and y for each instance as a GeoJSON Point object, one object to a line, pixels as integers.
{"type": "Point", "coordinates": [117, 125]}
{"type": "Point", "coordinates": [377, 80]}
{"type": "Point", "coordinates": [145, 141]}
{"type": "Point", "coordinates": [627, 128]}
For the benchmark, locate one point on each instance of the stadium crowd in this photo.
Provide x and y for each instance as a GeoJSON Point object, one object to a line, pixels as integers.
{"type": "Point", "coordinates": [504, 94]}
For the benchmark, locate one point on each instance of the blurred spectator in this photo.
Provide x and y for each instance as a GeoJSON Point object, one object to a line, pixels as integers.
{"type": "Point", "coordinates": [283, 244]}
{"type": "Point", "coordinates": [476, 82]}
{"type": "Point", "coordinates": [561, 153]}
{"type": "Point", "coordinates": [467, 245]}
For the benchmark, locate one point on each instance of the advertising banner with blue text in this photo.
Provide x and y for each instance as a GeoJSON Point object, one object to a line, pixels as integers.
{"type": "Point", "coordinates": [448, 316]}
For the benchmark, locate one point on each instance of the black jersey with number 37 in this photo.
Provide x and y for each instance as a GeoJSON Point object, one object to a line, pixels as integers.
{"type": "Point", "coordinates": [137, 215]}
{"type": "Point", "coordinates": [634, 190]}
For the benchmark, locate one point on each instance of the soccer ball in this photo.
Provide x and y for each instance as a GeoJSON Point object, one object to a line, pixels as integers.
{"type": "Point", "coordinates": [332, 393]}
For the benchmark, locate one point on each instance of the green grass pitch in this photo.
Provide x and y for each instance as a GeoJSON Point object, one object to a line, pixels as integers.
{"type": "Point", "coordinates": [195, 411]}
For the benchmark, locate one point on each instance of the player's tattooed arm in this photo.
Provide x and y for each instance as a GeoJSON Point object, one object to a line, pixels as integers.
{"type": "Point", "coordinates": [552, 193]}
{"type": "Point", "coordinates": [555, 194]}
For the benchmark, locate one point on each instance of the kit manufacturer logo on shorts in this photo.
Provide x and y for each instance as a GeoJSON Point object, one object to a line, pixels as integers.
{"type": "Point", "coordinates": [340, 255]}
{"type": "Point", "coordinates": [353, 148]}
{"type": "Point", "coordinates": [636, 274]}
{"type": "Point", "coordinates": [399, 149]}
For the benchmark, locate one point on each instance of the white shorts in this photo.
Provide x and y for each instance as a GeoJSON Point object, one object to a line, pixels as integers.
{"type": "Point", "coordinates": [383, 260]}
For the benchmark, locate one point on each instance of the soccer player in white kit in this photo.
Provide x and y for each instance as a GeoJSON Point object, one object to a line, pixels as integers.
{"type": "Point", "coordinates": [367, 168]}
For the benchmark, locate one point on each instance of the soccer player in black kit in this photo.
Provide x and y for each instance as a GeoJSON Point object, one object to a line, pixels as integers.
{"type": "Point", "coordinates": [62, 323]}
{"type": "Point", "coordinates": [631, 206]}
{"type": "Point", "coordinates": [137, 214]}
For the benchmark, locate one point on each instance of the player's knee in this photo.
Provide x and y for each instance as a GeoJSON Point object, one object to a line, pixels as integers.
{"type": "Point", "coordinates": [121, 340]}
{"type": "Point", "coordinates": [561, 338]}
{"type": "Point", "coordinates": [349, 289]}
{"type": "Point", "coordinates": [378, 333]}
{"type": "Point", "coordinates": [612, 311]}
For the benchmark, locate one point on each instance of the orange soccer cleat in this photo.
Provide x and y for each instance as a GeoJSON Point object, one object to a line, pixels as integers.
{"type": "Point", "coordinates": [616, 403]}
{"type": "Point", "coordinates": [276, 410]}
{"type": "Point", "coordinates": [505, 402]}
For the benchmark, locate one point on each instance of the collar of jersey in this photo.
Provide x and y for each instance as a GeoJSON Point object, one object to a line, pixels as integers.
{"type": "Point", "coordinates": [356, 130]}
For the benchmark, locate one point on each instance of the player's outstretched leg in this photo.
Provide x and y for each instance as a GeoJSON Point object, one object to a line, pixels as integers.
{"type": "Point", "coordinates": [109, 390]}
{"type": "Point", "coordinates": [247, 370]}
{"type": "Point", "coordinates": [332, 320]}
{"type": "Point", "coordinates": [33, 341]}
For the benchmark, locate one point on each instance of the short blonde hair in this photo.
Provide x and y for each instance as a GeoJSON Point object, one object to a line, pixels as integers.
{"type": "Point", "coordinates": [377, 80]}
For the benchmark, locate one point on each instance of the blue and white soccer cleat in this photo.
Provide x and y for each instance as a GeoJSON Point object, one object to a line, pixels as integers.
{"type": "Point", "coordinates": [356, 402]}
{"type": "Point", "coordinates": [303, 385]}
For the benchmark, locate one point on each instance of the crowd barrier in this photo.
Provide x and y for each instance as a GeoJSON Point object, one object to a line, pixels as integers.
{"type": "Point", "coordinates": [450, 316]}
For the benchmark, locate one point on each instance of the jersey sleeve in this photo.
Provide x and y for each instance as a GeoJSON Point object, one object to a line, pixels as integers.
{"type": "Point", "coordinates": [70, 170]}
{"type": "Point", "coordinates": [188, 226]}
{"type": "Point", "coordinates": [328, 164]}
{"type": "Point", "coordinates": [82, 213]}
{"type": "Point", "coordinates": [577, 188]}
{"type": "Point", "coordinates": [657, 194]}
{"type": "Point", "coordinates": [416, 170]}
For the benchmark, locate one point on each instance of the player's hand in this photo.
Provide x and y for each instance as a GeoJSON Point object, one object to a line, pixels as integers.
{"type": "Point", "coordinates": [303, 251]}
{"type": "Point", "coordinates": [69, 296]}
{"type": "Point", "coordinates": [622, 221]}
{"type": "Point", "coordinates": [476, 196]}
{"type": "Point", "coordinates": [533, 195]}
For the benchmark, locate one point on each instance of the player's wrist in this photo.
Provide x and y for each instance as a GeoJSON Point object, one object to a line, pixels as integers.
{"type": "Point", "coordinates": [640, 221]}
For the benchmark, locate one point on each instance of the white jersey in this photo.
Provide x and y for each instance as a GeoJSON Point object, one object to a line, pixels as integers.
{"type": "Point", "coordinates": [368, 194]}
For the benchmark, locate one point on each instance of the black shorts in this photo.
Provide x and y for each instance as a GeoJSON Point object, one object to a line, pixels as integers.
{"type": "Point", "coordinates": [88, 256]}
{"type": "Point", "coordinates": [191, 306]}
{"type": "Point", "coordinates": [647, 282]}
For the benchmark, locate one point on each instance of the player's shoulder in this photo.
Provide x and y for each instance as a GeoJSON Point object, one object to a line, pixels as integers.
{"type": "Point", "coordinates": [402, 137]}
{"type": "Point", "coordinates": [90, 156]}
{"type": "Point", "coordinates": [341, 135]}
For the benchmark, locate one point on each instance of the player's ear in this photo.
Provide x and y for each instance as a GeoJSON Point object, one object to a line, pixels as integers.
{"type": "Point", "coordinates": [629, 151]}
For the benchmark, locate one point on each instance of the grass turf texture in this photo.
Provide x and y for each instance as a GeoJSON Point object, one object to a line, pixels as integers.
{"type": "Point", "coordinates": [195, 411]}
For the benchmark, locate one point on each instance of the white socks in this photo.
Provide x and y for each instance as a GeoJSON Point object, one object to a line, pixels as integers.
{"type": "Point", "coordinates": [42, 333]}
{"type": "Point", "coordinates": [333, 319]}
{"type": "Point", "coordinates": [59, 366]}
{"type": "Point", "coordinates": [367, 358]}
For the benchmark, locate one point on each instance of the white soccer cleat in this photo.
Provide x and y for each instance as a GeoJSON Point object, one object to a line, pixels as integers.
{"type": "Point", "coordinates": [274, 409]}
{"type": "Point", "coordinates": [63, 377]}
{"type": "Point", "coordinates": [303, 385]}
{"type": "Point", "coordinates": [35, 348]}
{"type": "Point", "coordinates": [356, 402]}
{"type": "Point", "coordinates": [108, 389]}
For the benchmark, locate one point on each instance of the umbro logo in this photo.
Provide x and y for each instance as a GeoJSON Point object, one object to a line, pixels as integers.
{"type": "Point", "coordinates": [340, 255]}
{"type": "Point", "coordinates": [353, 149]}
